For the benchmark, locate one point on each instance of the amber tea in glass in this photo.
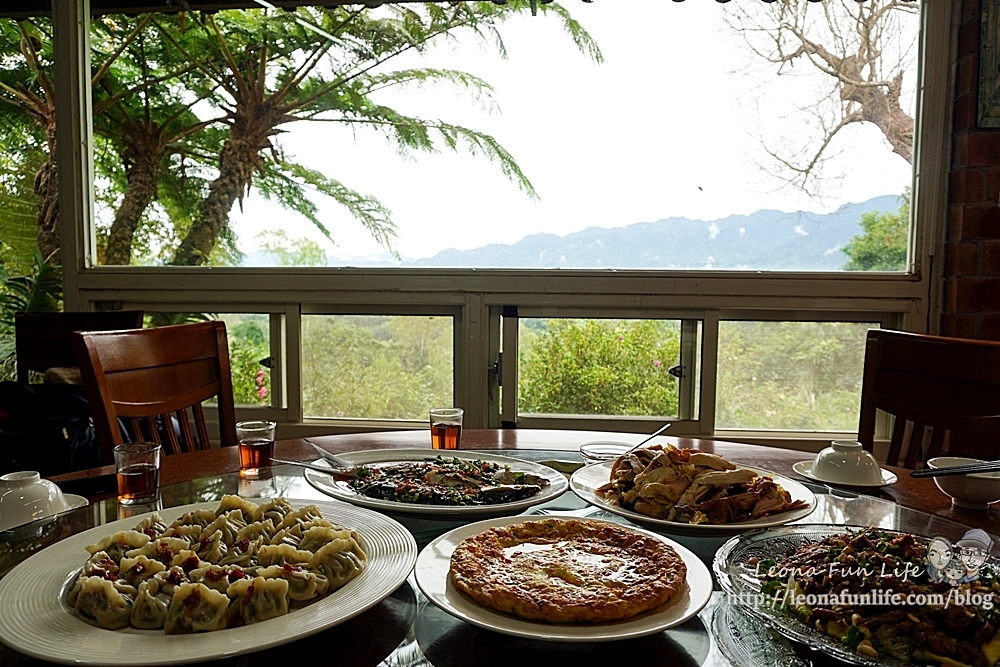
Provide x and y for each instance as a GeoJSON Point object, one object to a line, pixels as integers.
{"type": "Point", "coordinates": [138, 470]}
{"type": "Point", "coordinates": [256, 444]}
{"type": "Point", "coordinates": [446, 427]}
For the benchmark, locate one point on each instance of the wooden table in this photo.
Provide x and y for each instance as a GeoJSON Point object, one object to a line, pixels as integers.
{"type": "Point", "coordinates": [919, 494]}
{"type": "Point", "coordinates": [407, 630]}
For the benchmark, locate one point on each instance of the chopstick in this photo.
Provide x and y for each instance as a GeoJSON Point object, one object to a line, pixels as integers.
{"type": "Point", "coordinates": [986, 466]}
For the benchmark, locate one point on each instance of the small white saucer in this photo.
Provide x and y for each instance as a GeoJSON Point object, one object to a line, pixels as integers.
{"type": "Point", "coordinates": [804, 468]}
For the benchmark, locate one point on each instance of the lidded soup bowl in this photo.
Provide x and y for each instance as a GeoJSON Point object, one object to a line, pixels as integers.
{"type": "Point", "coordinates": [847, 462]}
{"type": "Point", "coordinates": [26, 497]}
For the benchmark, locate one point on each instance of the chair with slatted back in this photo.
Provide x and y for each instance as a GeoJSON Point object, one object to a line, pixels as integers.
{"type": "Point", "coordinates": [943, 394]}
{"type": "Point", "coordinates": [42, 340]}
{"type": "Point", "coordinates": [155, 382]}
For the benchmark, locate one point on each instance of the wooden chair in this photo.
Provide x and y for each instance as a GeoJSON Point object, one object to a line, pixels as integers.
{"type": "Point", "coordinates": [945, 391]}
{"type": "Point", "coordinates": [155, 381]}
{"type": "Point", "coordinates": [42, 340]}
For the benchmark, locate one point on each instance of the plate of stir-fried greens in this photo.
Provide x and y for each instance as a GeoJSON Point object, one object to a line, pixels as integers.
{"type": "Point", "coordinates": [866, 595]}
{"type": "Point", "coordinates": [440, 484]}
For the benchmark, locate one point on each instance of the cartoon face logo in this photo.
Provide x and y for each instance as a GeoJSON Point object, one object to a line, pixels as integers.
{"type": "Point", "coordinates": [973, 557]}
{"type": "Point", "coordinates": [955, 569]}
{"type": "Point", "coordinates": [939, 552]}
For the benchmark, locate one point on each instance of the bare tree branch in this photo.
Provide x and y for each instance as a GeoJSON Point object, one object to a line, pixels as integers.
{"type": "Point", "coordinates": [862, 47]}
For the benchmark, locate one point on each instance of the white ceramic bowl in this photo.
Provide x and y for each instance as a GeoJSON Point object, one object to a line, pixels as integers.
{"type": "Point", "coordinates": [25, 497]}
{"type": "Point", "coordinates": [846, 462]}
{"type": "Point", "coordinates": [972, 492]}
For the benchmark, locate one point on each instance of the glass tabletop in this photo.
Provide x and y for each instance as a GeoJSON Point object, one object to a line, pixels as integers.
{"type": "Point", "coordinates": [407, 630]}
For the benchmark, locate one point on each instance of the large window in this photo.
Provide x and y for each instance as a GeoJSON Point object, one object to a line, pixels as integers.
{"type": "Point", "coordinates": [448, 226]}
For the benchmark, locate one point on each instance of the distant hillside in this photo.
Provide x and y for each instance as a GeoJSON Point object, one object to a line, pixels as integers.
{"type": "Point", "coordinates": [765, 240]}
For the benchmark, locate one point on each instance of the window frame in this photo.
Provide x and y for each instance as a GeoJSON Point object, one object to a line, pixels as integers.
{"type": "Point", "coordinates": [910, 300]}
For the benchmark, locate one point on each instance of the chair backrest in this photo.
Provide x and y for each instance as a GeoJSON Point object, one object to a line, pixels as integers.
{"type": "Point", "coordinates": [942, 390]}
{"type": "Point", "coordinates": [42, 340]}
{"type": "Point", "coordinates": [155, 381]}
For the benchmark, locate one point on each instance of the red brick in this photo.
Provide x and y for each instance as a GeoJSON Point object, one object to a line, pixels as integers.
{"type": "Point", "coordinates": [978, 221]}
{"type": "Point", "coordinates": [984, 148]}
{"type": "Point", "coordinates": [991, 258]}
{"type": "Point", "coordinates": [958, 326]}
{"type": "Point", "coordinates": [966, 114]}
{"type": "Point", "coordinates": [960, 146]}
{"type": "Point", "coordinates": [993, 186]}
{"type": "Point", "coordinates": [968, 38]}
{"type": "Point", "coordinates": [951, 295]}
{"type": "Point", "coordinates": [967, 76]}
{"type": "Point", "coordinates": [989, 327]}
{"type": "Point", "coordinates": [967, 186]}
{"type": "Point", "coordinates": [962, 259]}
{"type": "Point", "coordinates": [977, 295]}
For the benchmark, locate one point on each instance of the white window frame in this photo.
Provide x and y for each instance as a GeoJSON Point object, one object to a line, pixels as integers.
{"type": "Point", "coordinates": [909, 301]}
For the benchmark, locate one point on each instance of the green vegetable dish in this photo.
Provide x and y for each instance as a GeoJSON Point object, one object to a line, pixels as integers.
{"type": "Point", "coordinates": [445, 481]}
{"type": "Point", "coordinates": [890, 596]}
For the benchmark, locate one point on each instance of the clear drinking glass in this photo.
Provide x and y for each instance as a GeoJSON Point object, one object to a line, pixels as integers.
{"type": "Point", "coordinates": [446, 427]}
{"type": "Point", "coordinates": [138, 467]}
{"type": "Point", "coordinates": [256, 442]}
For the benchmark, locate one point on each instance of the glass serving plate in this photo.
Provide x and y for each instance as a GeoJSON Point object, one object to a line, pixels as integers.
{"type": "Point", "coordinates": [741, 583]}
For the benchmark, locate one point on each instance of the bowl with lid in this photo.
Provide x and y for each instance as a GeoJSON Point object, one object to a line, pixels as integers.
{"type": "Point", "coordinates": [26, 497]}
{"type": "Point", "coordinates": [846, 462]}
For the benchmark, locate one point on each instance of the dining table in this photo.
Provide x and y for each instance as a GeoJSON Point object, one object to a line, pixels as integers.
{"type": "Point", "coordinates": [406, 628]}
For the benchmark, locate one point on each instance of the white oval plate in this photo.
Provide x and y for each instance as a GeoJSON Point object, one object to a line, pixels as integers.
{"type": "Point", "coordinates": [342, 490]}
{"type": "Point", "coordinates": [585, 482]}
{"type": "Point", "coordinates": [431, 574]}
{"type": "Point", "coordinates": [804, 468]}
{"type": "Point", "coordinates": [38, 622]}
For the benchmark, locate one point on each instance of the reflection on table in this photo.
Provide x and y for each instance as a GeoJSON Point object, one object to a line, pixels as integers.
{"type": "Point", "coordinates": [405, 629]}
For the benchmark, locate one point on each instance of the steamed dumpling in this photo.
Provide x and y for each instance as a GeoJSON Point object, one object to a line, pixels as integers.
{"type": "Point", "coordinates": [195, 608]}
{"type": "Point", "coordinates": [231, 502]}
{"type": "Point", "coordinates": [303, 584]}
{"type": "Point", "coordinates": [257, 599]}
{"type": "Point", "coordinates": [138, 569]}
{"type": "Point", "coordinates": [118, 544]}
{"type": "Point", "coordinates": [151, 603]}
{"type": "Point", "coordinates": [339, 561]}
{"type": "Point", "coordinates": [104, 603]}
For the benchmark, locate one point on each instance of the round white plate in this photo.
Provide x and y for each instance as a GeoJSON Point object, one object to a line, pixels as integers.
{"type": "Point", "coordinates": [343, 491]}
{"type": "Point", "coordinates": [804, 468]}
{"type": "Point", "coordinates": [586, 481]}
{"type": "Point", "coordinates": [38, 622]}
{"type": "Point", "coordinates": [431, 573]}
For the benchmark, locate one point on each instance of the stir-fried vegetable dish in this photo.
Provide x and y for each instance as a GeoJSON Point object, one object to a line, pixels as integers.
{"type": "Point", "coordinates": [879, 594]}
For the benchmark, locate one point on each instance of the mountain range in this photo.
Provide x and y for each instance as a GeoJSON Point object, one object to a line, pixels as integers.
{"type": "Point", "coordinates": [763, 240]}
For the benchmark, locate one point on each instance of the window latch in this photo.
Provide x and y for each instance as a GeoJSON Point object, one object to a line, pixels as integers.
{"type": "Point", "coordinates": [267, 362]}
{"type": "Point", "coordinates": [677, 371]}
{"type": "Point", "coordinates": [495, 371]}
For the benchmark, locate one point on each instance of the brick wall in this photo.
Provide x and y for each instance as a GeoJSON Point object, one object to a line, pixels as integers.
{"type": "Point", "coordinates": [971, 307]}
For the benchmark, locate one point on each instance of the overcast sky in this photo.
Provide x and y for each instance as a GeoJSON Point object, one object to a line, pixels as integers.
{"type": "Point", "coordinates": [666, 126]}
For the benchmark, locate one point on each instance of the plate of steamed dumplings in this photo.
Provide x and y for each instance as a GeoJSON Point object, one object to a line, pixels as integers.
{"type": "Point", "coordinates": [195, 581]}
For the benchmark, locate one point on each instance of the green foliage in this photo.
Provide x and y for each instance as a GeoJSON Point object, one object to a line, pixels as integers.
{"type": "Point", "coordinates": [379, 367]}
{"type": "Point", "coordinates": [799, 376]}
{"type": "Point", "coordinates": [248, 345]}
{"type": "Point", "coordinates": [38, 290]}
{"type": "Point", "coordinates": [883, 245]}
{"type": "Point", "coordinates": [291, 252]}
{"type": "Point", "coordinates": [600, 367]}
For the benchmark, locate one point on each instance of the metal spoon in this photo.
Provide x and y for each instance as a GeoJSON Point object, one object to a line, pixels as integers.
{"type": "Point", "coordinates": [656, 433]}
